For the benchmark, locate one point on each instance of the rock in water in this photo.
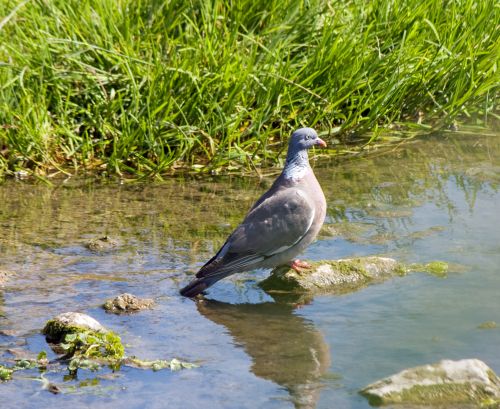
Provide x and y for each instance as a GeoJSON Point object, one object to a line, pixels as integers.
{"type": "Point", "coordinates": [446, 383]}
{"type": "Point", "coordinates": [4, 277]}
{"type": "Point", "coordinates": [80, 337]}
{"type": "Point", "coordinates": [102, 244]}
{"type": "Point", "coordinates": [70, 322]}
{"type": "Point", "coordinates": [127, 303]}
{"type": "Point", "coordinates": [333, 276]}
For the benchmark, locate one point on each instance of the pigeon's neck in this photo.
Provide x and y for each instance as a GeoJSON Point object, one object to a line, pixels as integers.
{"type": "Point", "coordinates": [296, 165]}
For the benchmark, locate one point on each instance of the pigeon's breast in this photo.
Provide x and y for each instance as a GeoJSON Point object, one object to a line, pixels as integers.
{"type": "Point", "coordinates": [310, 188]}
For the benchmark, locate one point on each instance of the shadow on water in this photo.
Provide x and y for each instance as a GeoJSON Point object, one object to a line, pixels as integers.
{"type": "Point", "coordinates": [285, 348]}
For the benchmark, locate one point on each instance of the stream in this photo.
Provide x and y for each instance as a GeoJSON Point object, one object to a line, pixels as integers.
{"type": "Point", "coordinates": [435, 198]}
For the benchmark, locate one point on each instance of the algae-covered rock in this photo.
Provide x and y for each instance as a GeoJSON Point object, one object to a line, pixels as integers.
{"type": "Point", "coordinates": [79, 336]}
{"type": "Point", "coordinates": [158, 364]}
{"type": "Point", "coordinates": [127, 303]}
{"type": "Point", "coordinates": [334, 276]}
{"type": "Point", "coordinates": [446, 383]}
{"type": "Point", "coordinates": [5, 373]}
{"type": "Point", "coordinates": [488, 325]}
{"type": "Point", "coordinates": [86, 344]}
{"type": "Point", "coordinates": [70, 322]}
{"type": "Point", "coordinates": [104, 243]}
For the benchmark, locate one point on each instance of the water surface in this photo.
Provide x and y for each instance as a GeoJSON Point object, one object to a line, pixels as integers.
{"type": "Point", "coordinates": [433, 199]}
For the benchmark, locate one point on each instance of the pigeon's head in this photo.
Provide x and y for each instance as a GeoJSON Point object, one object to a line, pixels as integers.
{"type": "Point", "coordinates": [304, 138]}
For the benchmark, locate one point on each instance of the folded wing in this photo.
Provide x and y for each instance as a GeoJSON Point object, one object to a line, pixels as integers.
{"type": "Point", "coordinates": [275, 225]}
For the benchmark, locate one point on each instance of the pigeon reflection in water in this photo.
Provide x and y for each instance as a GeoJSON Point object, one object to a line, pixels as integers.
{"type": "Point", "coordinates": [285, 348]}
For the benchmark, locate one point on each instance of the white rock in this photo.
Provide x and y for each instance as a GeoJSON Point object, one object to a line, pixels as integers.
{"type": "Point", "coordinates": [77, 319]}
{"type": "Point", "coordinates": [56, 328]}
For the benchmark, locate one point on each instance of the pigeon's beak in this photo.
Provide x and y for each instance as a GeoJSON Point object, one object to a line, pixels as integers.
{"type": "Point", "coordinates": [320, 142]}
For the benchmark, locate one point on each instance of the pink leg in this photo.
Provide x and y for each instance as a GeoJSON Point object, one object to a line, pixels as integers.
{"type": "Point", "coordinates": [299, 266]}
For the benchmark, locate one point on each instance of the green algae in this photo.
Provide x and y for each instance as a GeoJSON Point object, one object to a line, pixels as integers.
{"type": "Point", "coordinates": [91, 344]}
{"type": "Point", "coordinates": [436, 268]}
{"type": "Point", "coordinates": [158, 364]}
{"type": "Point", "coordinates": [5, 373]}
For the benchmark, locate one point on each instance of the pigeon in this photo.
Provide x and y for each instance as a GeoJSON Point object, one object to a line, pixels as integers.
{"type": "Point", "coordinates": [278, 227]}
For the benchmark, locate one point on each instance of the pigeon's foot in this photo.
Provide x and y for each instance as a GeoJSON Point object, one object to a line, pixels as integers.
{"type": "Point", "coordinates": [300, 266]}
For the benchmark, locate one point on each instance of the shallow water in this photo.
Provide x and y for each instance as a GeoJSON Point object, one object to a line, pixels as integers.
{"type": "Point", "coordinates": [434, 199]}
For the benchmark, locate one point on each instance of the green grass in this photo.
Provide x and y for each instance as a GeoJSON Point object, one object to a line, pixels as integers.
{"type": "Point", "coordinates": [149, 86]}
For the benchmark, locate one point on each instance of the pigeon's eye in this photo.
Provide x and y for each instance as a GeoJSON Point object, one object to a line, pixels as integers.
{"type": "Point", "coordinates": [308, 137]}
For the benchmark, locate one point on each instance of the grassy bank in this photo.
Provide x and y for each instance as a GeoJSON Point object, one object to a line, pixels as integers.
{"type": "Point", "coordinates": [147, 86]}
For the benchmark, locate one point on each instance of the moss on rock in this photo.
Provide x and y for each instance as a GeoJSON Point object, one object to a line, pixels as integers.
{"type": "Point", "coordinates": [158, 364]}
{"type": "Point", "coordinates": [56, 329]}
{"type": "Point", "coordinates": [5, 373]}
{"type": "Point", "coordinates": [90, 344]}
{"type": "Point", "coordinates": [437, 268]}
{"type": "Point", "coordinates": [335, 276]}
{"type": "Point", "coordinates": [339, 276]}
{"type": "Point", "coordinates": [80, 337]}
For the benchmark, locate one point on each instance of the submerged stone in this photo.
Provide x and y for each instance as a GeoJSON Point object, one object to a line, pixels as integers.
{"type": "Point", "coordinates": [488, 325]}
{"type": "Point", "coordinates": [102, 244]}
{"type": "Point", "coordinates": [446, 383]}
{"type": "Point", "coordinates": [158, 364]}
{"type": "Point", "coordinates": [127, 303]}
{"type": "Point", "coordinates": [70, 322]}
{"type": "Point", "coordinates": [352, 231]}
{"type": "Point", "coordinates": [4, 276]}
{"type": "Point", "coordinates": [333, 276]}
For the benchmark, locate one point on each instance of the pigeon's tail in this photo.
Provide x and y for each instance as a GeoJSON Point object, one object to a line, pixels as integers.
{"type": "Point", "coordinates": [198, 285]}
{"type": "Point", "coordinates": [194, 288]}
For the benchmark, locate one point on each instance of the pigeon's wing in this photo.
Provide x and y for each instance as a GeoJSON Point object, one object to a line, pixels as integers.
{"type": "Point", "coordinates": [278, 222]}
